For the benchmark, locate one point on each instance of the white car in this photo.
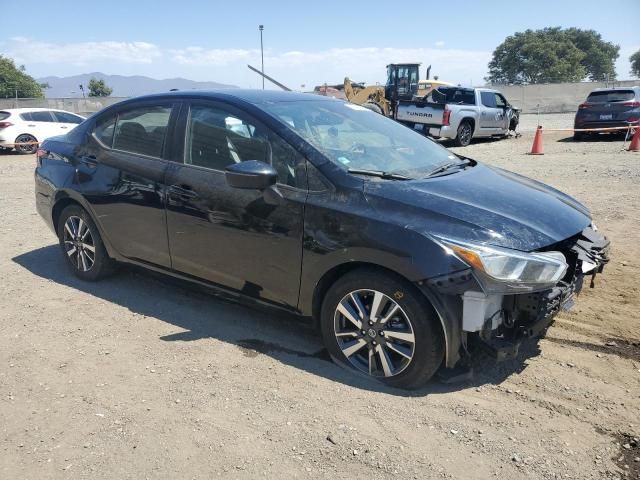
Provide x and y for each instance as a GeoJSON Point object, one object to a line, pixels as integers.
{"type": "Point", "coordinates": [24, 128]}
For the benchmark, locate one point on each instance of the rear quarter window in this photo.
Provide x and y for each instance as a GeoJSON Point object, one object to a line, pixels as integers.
{"type": "Point", "coordinates": [4, 115]}
{"type": "Point", "coordinates": [104, 129]}
{"type": "Point", "coordinates": [454, 96]}
{"type": "Point", "coordinates": [64, 117]}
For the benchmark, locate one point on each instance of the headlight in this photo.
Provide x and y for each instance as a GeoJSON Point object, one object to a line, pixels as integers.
{"type": "Point", "coordinates": [511, 266]}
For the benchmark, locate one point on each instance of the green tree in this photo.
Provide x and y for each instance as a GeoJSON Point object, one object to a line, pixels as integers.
{"type": "Point", "coordinates": [599, 56]}
{"type": "Point", "coordinates": [553, 55]}
{"type": "Point", "coordinates": [97, 88]}
{"type": "Point", "coordinates": [14, 79]}
{"type": "Point", "coordinates": [635, 64]}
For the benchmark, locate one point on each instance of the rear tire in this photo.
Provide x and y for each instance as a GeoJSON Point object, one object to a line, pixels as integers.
{"type": "Point", "coordinates": [25, 138]}
{"type": "Point", "coordinates": [82, 245]}
{"type": "Point", "coordinates": [401, 344]}
{"type": "Point", "coordinates": [464, 134]}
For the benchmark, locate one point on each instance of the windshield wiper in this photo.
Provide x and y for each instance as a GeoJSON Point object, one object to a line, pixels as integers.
{"type": "Point", "coordinates": [449, 166]}
{"type": "Point", "coordinates": [378, 173]}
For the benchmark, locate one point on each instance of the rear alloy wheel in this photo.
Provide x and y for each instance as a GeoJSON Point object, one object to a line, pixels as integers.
{"type": "Point", "coordinates": [26, 144]}
{"type": "Point", "coordinates": [465, 133]}
{"type": "Point", "coordinates": [380, 325]}
{"type": "Point", "coordinates": [81, 244]}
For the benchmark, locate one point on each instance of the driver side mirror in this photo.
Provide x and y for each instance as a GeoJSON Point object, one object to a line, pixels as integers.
{"type": "Point", "coordinates": [252, 174]}
{"type": "Point", "coordinates": [255, 175]}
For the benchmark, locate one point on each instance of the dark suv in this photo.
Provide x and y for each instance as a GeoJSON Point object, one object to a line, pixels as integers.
{"type": "Point", "coordinates": [407, 255]}
{"type": "Point", "coordinates": [608, 107]}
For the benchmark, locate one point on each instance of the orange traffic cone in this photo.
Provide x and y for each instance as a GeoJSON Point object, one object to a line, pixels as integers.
{"type": "Point", "coordinates": [634, 146]}
{"type": "Point", "coordinates": [536, 148]}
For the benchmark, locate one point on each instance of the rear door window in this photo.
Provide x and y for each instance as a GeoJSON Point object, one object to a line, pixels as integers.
{"type": "Point", "coordinates": [606, 96]}
{"type": "Point", "coordinates": [26, 116]}
{"type": "Point", "coordinates": [142, 130]}
{"type": "Point", "coordinates": [44, 116]}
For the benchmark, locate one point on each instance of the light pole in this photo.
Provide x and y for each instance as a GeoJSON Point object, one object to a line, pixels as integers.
{"type": "Point", "coordinates": [261, 28]}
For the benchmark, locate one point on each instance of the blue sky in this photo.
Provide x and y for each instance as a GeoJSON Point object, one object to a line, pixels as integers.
{"type": "Point", "coordinates": [305, 42]}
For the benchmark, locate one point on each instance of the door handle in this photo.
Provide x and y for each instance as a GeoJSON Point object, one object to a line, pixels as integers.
{"type": "Point", "coordinates": [182, 192]}
{"type": "Point", "coordinates": [64, 127]}
{"type": "Point", "coordinates": [89, 160]}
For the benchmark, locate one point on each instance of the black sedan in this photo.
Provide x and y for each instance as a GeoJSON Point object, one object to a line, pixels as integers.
{"type": "Point", "coordinates": [408, 256]}
{"type": "Point", "coordinates": [608, 107]}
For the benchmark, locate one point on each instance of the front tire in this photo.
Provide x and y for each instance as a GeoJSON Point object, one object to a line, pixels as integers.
{"type": "Point", "coordinates": [82, 245]}
{"type": "Point", "coordinates": [381, 326]}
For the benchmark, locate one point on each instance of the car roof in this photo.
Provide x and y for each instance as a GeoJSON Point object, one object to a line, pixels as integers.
{"type": "Point", "coordinates": [250, 96]}
{"type": "Point", "coordinates": [42, 109]}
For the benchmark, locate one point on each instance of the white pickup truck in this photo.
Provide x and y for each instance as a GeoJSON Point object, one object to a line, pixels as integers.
{"type": "Point", "coordinates": [460, 114]}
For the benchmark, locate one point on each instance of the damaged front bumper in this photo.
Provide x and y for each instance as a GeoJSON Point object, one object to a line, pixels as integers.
{"type": "Point", "coordinates": [500, 322]}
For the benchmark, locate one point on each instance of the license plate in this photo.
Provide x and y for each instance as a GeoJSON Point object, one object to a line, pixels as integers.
{"type": "Point", "coordinates": [606, 117]}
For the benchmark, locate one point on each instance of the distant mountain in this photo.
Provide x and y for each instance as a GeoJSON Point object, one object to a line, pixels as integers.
{"type": "Point", "coordinates": [123, 86]}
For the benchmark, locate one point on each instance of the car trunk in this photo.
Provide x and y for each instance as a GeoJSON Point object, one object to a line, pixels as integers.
{"type": "Point", "coordinates": [609, 107]}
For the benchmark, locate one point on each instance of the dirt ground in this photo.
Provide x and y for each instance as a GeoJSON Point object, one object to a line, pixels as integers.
{"type": "Point", "coordinates": [139, 376]}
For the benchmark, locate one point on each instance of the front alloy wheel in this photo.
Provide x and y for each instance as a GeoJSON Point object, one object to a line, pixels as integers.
{"type": "Point", "coordinates": [374, 333]}
{"type": "Point", "coordinates": [79, 244]}
{"type": "Point", "coordinates": [380, 325]}
{"type": "Point", "coordinates": [465, 133]}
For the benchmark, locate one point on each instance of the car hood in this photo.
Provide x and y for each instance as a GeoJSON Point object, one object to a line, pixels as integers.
{"type": "Point", "coordinates": [482, 204]}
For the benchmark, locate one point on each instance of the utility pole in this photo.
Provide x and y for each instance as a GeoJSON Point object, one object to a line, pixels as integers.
{"type": "Point", "coordinates": [261, 28]}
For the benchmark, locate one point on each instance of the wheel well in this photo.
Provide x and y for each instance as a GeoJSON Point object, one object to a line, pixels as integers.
{"type": "Point", "coordinates": [30, 134]}
{"type": "Point", "coordinates": [330, 277]}
{"type": "Point", "coordinates": [469, 120]}
{"type": "Point", "coordinates": [59, 207]}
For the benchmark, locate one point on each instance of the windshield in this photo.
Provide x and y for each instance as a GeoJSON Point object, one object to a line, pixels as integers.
{"type": "Point", "coordinates": [356, 138]}
{"type": "Point", "coordinates": [610, 96]}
